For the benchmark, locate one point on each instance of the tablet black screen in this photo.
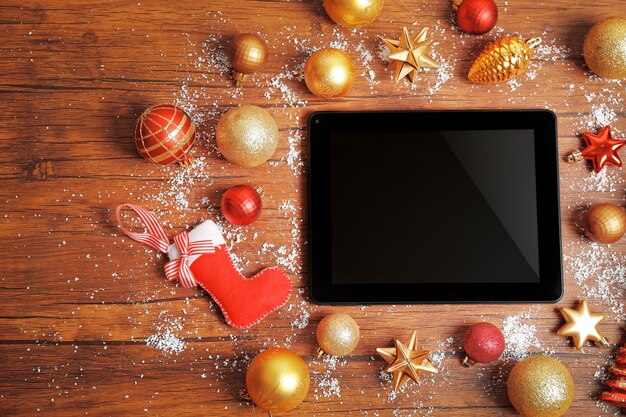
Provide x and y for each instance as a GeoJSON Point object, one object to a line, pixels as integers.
{"type": "Point", "coordinates": [416, 207]}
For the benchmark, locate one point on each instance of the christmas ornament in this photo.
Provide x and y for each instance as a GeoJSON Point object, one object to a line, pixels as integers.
{"type": "Point", "coordinates": [247, 135]}
{"type": "Point", "coordinates": [408, 55]}
{"type": "Point", "coordinates": [406, 361]}
{"type": "Point", "coordinates": [483, 343]}
{"type": "Point", "coordinates": [277, 380]}
{"type": "Point", "coordinates": [353, 13]}
{"type": "Point", "coordinates": [540, 386]}
{"type": "Point", "coordinates": [502, 60]}
{"type": "Point", "coordinates": [601, 149]}
{"type": "Point", "coordinates": [200, 256]}
{"type": "Point", "coordinates": [606, 223]}
{"type": "Point", "coordinates": [247, 54]}
{"type": "Point", "coordinates": [581, 325]}
{"type": "Point", "coordinates": [616, 384]}
{"type": "Point", "coordinates": [337, 334]}
{"type": "Point", "coordinates": [164, 134]}
{"type": "Point", "coordinates": [476, 16]}
{"type": "Point", "coordinates": [605, 48]}
{"type": "Point", "coordinates": [241, 204]}
{"type": "Point", "coordinates": [329, 73]}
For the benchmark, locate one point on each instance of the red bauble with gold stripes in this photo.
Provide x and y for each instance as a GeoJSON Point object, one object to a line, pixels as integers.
{"type": "Point", "coordinates": [164, 134]}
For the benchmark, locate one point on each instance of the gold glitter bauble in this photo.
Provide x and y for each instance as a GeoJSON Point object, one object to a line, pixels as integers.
{"type": "Point", "coordinates": [502, 60]}
{"type": "Point", "coordinates": [247, 54]}
{"type": "Point", "coordinates": [606, 223]}
{"type": "Point", "coordinates": [277, 380]}
{"type": "Point", "coordinates": [540, 386]}
{"type": "Point", "coordinates": [329, 73]}
{"type": "Point", "coordinates": [353, 13]}
{"type": "Point", "coordinates": [247, 135]}
{"type": "Point", "coordinates": [605, 48]}
{"type": "Point", "coordinates": [337, 334]}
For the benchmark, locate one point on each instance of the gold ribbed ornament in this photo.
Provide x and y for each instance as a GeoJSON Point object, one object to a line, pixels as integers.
{"type": "Point", "coordinates": [606, 223]}
{"type": "Point", "coordinates": [502, 60]}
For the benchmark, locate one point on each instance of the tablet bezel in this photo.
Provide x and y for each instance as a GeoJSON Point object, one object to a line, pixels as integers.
{"type": "Point", "coordinates": [543, 122]}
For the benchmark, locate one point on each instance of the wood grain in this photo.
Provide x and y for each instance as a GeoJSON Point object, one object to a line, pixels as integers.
{"type": "Point", "coordinates": [78, 300]}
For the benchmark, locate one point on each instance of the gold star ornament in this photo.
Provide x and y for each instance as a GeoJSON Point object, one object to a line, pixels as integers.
{"type": "Point", "coordinates": [408, 55]}
{"type": "Point", "coordinates": [406, 361]}
{"type": "Point", "coordinates": [581, 326]}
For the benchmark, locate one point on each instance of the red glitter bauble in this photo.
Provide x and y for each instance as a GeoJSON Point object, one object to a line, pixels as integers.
{"type": "Point", "coordinates": [477, 16]}
{"type": "Point", "coordinates": [164, 134]}
{"type": "Point", "coordinates": [241, 204]}
{"type": "Point", "coordinates": [483, 343]}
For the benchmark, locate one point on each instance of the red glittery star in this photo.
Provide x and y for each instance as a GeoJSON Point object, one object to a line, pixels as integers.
{"type": "Point", "coordinates": [602, 149]}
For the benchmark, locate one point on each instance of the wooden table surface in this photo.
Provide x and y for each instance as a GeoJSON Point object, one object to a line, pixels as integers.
{"type": "Point", "coordinates": [82, 307]}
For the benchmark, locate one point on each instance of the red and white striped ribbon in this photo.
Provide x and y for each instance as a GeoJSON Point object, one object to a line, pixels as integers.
{"type": "Point", "coordinates": [155, 237]}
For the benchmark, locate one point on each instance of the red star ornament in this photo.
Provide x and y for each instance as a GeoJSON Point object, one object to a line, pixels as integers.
{"type": "Point", "coordinates": [602, 149]}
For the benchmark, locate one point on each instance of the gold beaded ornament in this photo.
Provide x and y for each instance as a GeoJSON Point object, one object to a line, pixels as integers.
{"type": "Point", "coordinates": [502, 60]}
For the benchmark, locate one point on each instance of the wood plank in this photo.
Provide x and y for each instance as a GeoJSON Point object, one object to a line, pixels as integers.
{"type": "Point", "coordinates": [79, 300]}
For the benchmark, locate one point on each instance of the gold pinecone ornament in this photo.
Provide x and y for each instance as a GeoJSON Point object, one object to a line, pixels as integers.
{"type": "Point", "coordinates": [502, 60]}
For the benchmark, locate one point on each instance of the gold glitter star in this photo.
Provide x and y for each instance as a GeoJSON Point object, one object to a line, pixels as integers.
{"type": "Point", "coordinates": [407, 55]}
{"type": "Point", "coordinates": [581, 325]}
{"type": "Point", "coordinates": [406, 361]}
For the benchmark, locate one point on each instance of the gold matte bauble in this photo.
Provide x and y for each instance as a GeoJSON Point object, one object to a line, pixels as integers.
{"type": "Point", "coordinates": [337, 334]}
{"type": "Point", "coordinates": [277, 380]}
{"type": "Point", "coordinates": [329, 73]}
{"type": "Point", "coordinates": [606, 223]}
{"type": "Point", "coordinates": [353, 13]}
{"type": "Point", "coordinates": [540, 386]}
{"type": "Point", "coordinates": [248, 54]}
{"type": "Point", "coordinates": [605, 48]}
{"type": "Point", "coordinates": [247, 135]}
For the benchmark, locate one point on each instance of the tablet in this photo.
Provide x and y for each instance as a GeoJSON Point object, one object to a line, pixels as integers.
{"type": "Point", "coordinates": [434, 207]}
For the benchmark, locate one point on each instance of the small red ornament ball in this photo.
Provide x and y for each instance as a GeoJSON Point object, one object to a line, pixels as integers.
{"type": "Point", "coordinates": [483, 343]}
{"type": "Point", "coordinates": [477, 16]}
{"type": "Point", "coordinates": [164, 134]}
{"type": "Point", "coordinates": [241, 204]}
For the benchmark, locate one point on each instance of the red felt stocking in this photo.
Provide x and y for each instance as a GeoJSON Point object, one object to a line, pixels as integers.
{"type": "Point", "coordinates": [201, 257]}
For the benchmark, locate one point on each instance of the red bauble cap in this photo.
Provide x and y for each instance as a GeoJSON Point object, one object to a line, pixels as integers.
{"type": "Point", "coordinates": [164, 134]}
{"type": "Point", "coordinates": [477, 16]}
{"type": "Point", "coordinates": [241, 204]}
{"type": "Point", "coordinates": [483, 343]}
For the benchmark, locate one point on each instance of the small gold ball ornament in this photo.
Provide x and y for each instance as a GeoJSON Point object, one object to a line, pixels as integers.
{"type": "Point", "coordinates": [247, 54]}
{"type": "Point", "coordinates": [247, 135]}
{"type": "Point", "coordinates": [337, 334]}
{"type": "Point", "coordinates": [540, 386]}
{"type": "Point", "coordinates": [606, 223]}
{"type": "Point", "coordinates": [605, 48]}
{"type": "Point", "coordinates": [329, 73]}
{"type": "Point", "coordinates": [277, 380]}
{"type": "Point", "coordinates": [353, 13]}
{"type": "Point", "coordinates": [502, 60]}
